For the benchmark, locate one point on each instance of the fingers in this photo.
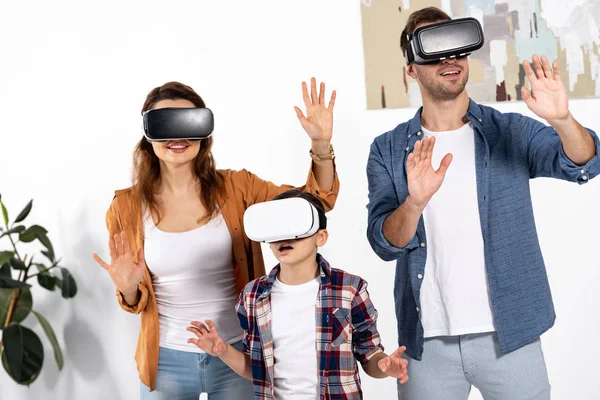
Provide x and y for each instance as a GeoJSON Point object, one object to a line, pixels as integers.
{"type": "Point", "coordinates": [529, 71]}
{"type": "Point", "coordinates": [332, 101]}
{"type": "Point", "coordinates": [305, 97]}
{"type": "Point", "coordinates": [119, 244]}
{"type": "Point", "coordinates": [199, 326]}
{"type": "Point", "coordinates": [101, 262]}
{"type": "Point", "coordinates": [444, 164]}
{"type": "Point", "coordinates": [410, 162]}
{"type": "Point", "coordinates": [429, 149]}
{"type": "Point", "coordinates": [399, 352]}
{"type": "Point", "coordinates": [313, 91]}
{"type": "Point", "coordinates": [141, 259]}
{"type": "Point", "coordinates": [537, 66]}
{"type": "Point", "coordinates": [113, 249]}
{"type": "Point", "coordinates": [300, 115]}
{"type": "Point", "coordinates": [126, 246]}
{"type": "Point", "coordinates": [546, 68]}
{"type": "Point", "coordinates": [417, 152]}
{"type": "Point", "coordinates": [527, 97]}
{"type": "Point", "coordinates": [556, 69]}
{"type": "Point", "coordinates": [322, 93]}
{"type": "Point", "coordinates": [211, 325]}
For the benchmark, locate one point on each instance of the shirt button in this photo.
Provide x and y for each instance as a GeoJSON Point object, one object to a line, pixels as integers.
{"type": "Point", "coordinates": [582, 171]}
{"type": "Point", "coordinates": [420, 276]}
{"type": "Point", "coordinates": [419, 133]}
{"type": "Point", "coordinates": [480, 120]}
{"type": "Point", "coordinates": [422, 244]}
{"type": "Point", "coordinates": [407, 148]}
{"type": "Point", "coordinates": [409, 135]}
{"type": "Point", "coordinates": [417, 309]}
{"type": "Point", "coordinates": [584, 177]}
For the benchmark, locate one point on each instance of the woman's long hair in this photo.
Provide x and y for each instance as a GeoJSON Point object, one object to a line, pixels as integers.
{"type": "Point", "coordinates": [146, 166]}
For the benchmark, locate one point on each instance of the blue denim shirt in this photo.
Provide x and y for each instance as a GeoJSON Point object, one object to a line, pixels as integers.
{"type": "Point", "coordinates": [510, 149]}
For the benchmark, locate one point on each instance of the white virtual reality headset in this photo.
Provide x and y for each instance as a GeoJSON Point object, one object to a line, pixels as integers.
{"type": "Point", "coordinates": [284, 219]}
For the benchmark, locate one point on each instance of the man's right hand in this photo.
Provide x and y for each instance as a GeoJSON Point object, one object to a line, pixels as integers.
{"type": "Point", "coordinates": [125, 273]}
{"type": "Point", "coordinates": [208, 339]}
{"type": "Point", "coordinates": [423, 180]}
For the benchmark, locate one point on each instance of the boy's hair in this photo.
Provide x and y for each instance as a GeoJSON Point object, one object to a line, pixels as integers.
{"type": "Point", "coordinates": [311, 199]}
{"type": "Point", "coordinates": [424, 15]}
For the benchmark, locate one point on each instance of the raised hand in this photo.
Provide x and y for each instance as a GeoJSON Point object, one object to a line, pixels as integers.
{"type": "Point", "coordinates": [208, 339]}
{"type": "Point", "coordinates": [550, 100]}
{"type": "Point", "coordinates": [395, 366]}
{"type": "Point", "coordinates": [318, 122]}
{"type": "Point", "coordinates": [125, 273]}
{"type": "Point", "coordinates": [423, 180]}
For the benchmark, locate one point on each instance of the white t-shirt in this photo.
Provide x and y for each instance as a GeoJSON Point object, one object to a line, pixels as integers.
{"type": "Point", "coordinates": [294, 330]}
{"type": "Point", "coordinates": [454, 295]}
{"type": "Point", "coordinates": [192, 277]}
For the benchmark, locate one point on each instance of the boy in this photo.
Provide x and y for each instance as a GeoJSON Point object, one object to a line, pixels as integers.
{"type": "Point", "coordinates": [306, 324]}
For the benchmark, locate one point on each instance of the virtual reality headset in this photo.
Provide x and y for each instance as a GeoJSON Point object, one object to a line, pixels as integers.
{"type": "Point", "coordinates": [285, 219]}
{"type": "Point", "coordinates": [442, 40]}
{"type": "Point", "coordinates": [178, 124]}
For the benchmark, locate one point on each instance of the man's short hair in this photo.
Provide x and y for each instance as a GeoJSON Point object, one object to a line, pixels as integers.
{"type": "Point", "coordinates": [424, 15]}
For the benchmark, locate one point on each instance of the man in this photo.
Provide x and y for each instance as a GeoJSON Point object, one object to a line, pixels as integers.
{"type": "Point", "coordinates": [471, 293]}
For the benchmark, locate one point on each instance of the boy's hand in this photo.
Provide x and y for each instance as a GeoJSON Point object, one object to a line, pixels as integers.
{"type": "Point", "coordinates": [208, 339]}
{"type": "Point", "coordinates": [395, 366]}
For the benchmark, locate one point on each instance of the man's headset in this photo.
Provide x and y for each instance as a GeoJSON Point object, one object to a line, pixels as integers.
{"type": "Point", "coordinates": [442, 40]}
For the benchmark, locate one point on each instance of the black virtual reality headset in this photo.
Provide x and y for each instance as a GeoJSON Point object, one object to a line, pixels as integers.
{"type": "Point", "coordinates": [283, 219]}
{"type": "Point", "coordinates": [442, 40]}
{"type": "Point", "coordinates": [178, 124]}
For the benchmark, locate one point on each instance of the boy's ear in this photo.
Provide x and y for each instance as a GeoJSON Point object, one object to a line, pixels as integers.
{"type": "Point", "coordinates": [322, 236]}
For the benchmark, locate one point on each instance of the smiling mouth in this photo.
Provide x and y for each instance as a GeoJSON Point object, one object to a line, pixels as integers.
{"type": "Point", "coordinates": [450, 73]}
{"type": "Point", "coordinates": [177, 146]}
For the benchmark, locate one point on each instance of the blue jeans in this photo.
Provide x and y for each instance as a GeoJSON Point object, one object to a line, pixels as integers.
{"type": "Point", "coordinates": [183, 376]}
{"type": "Point", "coordinates": [451, 364]}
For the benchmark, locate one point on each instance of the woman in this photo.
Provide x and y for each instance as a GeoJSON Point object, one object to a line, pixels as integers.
{"type": "Point", "coordinates": [178, 250]}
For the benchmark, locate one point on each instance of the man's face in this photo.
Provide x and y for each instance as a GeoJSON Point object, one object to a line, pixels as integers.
{"type": "Point", "coordinates": [442, 81]}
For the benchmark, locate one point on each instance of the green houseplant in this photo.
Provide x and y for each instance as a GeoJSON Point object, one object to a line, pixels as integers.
{"type": "Point", "coordinates": [22, 349]}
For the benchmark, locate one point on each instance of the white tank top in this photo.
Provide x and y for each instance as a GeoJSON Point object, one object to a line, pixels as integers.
{"type": "Point", "coordinates": [192, 277]}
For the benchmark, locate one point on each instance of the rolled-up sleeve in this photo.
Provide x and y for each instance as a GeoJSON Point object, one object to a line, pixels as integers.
{"type": "Point", "coordinates": [382, 202]}
{"type": "Point", "coordinates": [547, 157]}
{"type": "Point", "coordinates": [242, 316]}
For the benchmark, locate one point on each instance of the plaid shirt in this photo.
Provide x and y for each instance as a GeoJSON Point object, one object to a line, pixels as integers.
{"type": "Point", "coordinates": [346, 332]}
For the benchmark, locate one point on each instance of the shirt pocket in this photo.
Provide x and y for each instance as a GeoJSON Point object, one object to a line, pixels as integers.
{"type": "Point", "coordinates": [341, 327]}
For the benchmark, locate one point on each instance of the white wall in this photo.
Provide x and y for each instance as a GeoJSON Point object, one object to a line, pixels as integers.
{"type": "Point", "coordinates": [73, 80]}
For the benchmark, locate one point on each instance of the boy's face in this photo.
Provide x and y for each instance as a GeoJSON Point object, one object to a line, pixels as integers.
{"type": "Point", "coordinates": [290, 252]}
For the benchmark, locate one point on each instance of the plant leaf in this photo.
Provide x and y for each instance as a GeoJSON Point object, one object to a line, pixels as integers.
{"type": "Point", "coordinates": [9, 282]}
{"type": "Point", "coordinates": [17, 264]}
{"type": "Point", "coordinates": [4, 213]}
{"type": "Point", "coordinates": [47, 281]}
{"type": "Point", "coordinates": [43, 238]}
{"type": "Point", "coordinates": [16, 229]}
{"type": "Point", "coordinates": [5, 256]}
{"type": "Point", "coordinates": [69, 286]}
{"type": "Point", "coordinates": [23, 305]}
{"type": "Point", "coordinates": [49, 255]}
{"type": "Point", "coordinates": [25, 212]}
{"type": "Point", "coordinates": [6, 271]}
{"type": "Point", "coordinates": [58, 356]}
{"type": "Point", "coordinates": [24, 353]}
{"type": "Point", "coordinates": [31, 233]}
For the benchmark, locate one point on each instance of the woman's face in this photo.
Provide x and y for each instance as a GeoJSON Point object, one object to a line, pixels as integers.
{"type": "Point", "coordinates": [176, 152]}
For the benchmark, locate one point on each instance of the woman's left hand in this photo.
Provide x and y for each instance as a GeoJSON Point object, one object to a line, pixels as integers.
{"type": "Point", "coordinates": [318, 122]}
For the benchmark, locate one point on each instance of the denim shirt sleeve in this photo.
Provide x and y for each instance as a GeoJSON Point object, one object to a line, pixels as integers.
{"type": "Point", "coordinates": [547, 158]}
{"type": "Point", "coordinates": [382, 202]}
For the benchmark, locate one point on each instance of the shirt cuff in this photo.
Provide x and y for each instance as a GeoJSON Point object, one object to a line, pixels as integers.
{"type": "Point", "coordinates": [581, 173]}
{"type": "Point", "coordinates": [385, 244]}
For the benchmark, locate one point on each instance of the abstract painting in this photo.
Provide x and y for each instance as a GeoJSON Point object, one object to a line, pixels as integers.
{"type": "Point", "coordinates": [514, 31]}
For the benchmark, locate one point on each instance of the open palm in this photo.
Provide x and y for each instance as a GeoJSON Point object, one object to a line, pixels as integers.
{"type": "Point", "coordinates": [548, 98]}
{"type": "Point", "coordinates": [395, 366]}
{"type": "Point", "coordinates": [124, 271]}
{"type": "Point", "coordinates": [207, 339]}
{"type": "Point", "coordinates": [423, 180]}
{"type": "Point", "coordinates": [318, 122]}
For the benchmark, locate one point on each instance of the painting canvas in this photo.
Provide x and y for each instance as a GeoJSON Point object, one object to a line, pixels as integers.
{"type": "Point", "coordinates": [514, 31]}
